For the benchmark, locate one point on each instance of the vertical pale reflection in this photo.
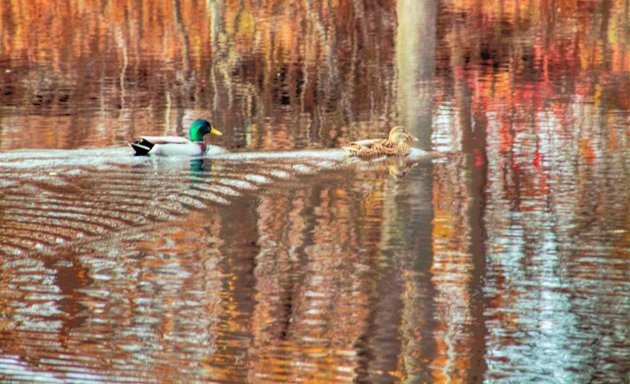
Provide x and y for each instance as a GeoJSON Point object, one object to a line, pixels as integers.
{"type": "Point", "coordinates": [415, 62]}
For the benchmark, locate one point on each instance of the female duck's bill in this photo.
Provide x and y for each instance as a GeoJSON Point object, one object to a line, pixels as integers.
{"type": "Point", "coordinates": [175, 145]}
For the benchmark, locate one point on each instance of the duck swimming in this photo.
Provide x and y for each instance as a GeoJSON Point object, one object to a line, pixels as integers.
{"type": "Point", "coordinates": [395, 144]}
{"type": "Point", "coordinates": [175, 145]}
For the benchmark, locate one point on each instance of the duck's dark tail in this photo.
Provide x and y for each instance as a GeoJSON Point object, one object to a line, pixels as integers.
{"type": "Point", "coordinates": [142, 147]}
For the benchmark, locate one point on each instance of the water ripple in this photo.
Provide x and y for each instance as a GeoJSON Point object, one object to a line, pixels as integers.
{"type": "Point", "coordinates": [56, 197]}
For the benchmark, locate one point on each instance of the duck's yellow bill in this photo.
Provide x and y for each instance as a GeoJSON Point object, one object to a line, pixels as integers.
{"type": "Point", "coordinates": [215, 131]}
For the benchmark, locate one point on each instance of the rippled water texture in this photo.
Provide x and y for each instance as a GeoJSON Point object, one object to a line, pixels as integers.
{"type": "Point", "coordinates": [506, 259]}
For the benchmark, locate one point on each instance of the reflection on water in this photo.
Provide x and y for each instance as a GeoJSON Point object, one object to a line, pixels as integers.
{"type": "Point", "coordinates": [505, 261]}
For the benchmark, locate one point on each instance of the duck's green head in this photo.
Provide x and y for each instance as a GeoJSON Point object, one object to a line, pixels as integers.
{"type": "Point", "coordinates": [199, 128]}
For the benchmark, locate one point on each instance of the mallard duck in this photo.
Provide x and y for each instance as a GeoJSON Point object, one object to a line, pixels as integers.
{"type": "Point", "coordinates": [395, 144]}
{"type": "Point", "coordinates": [175, 145]}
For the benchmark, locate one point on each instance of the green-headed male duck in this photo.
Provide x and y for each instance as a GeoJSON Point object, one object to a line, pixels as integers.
{"type": "Point", "coordinates": [175, 145]}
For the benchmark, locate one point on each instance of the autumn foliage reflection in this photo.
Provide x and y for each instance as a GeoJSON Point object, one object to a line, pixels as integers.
{"type": "Point", "coordinates": [127, 63]}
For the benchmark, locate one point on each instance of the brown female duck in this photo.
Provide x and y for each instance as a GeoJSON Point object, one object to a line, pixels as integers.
{"type": "Point", "coordinates": [396, 144]}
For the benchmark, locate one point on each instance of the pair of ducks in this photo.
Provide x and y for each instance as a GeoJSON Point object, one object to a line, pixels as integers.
{"type": "Point", "coordinates": [395, 144]}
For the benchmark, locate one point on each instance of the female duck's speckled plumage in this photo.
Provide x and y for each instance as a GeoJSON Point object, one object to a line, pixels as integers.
{"type": "Point", "coordinates": [395, 145]}
{"type": "Point", "coordinates": [175, 145]}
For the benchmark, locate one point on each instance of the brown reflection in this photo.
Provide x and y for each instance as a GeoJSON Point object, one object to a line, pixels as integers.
{"type": "Point", "coordinates": [236, 63]}
{"type": "Point", "coordinates": [457, 274]}
{"type": "Point", "coordinates": [71, 279]}
{"type": "Point", "coordinates": [306, 283]}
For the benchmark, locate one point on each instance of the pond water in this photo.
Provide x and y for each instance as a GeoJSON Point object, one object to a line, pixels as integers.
{"type": "Point", "coordinates": [504, 259]}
